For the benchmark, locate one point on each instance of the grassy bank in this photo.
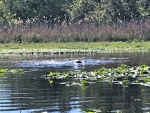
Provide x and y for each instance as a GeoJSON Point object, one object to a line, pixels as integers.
{"type": "Point", "coordinates": [76, 47]}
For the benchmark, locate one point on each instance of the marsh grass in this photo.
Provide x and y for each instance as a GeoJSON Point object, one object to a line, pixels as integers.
{"type": "Point", "coordinates": [74, 47]}
{"type": "Point", "coordinates": [77, 32]}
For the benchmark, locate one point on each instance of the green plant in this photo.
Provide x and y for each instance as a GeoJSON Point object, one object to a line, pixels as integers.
{"type": "Point", "coordinates": [84, 82]}
{"type": "Point", "coordinates": [3, 70]}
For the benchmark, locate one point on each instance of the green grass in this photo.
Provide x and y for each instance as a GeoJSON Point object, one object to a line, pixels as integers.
{"type": "Point", "coordinates": [76, 47]}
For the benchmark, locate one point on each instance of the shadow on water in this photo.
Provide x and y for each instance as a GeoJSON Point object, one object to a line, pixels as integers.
{"type": "Point", "coordinates": [29, 93]}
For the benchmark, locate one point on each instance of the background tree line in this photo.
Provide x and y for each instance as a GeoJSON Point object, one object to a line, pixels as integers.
{"type": "Point", "coordinates": [58, 11]}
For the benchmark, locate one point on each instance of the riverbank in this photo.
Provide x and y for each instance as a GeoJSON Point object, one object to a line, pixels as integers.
{"type": "Point", "coordinates": [76, 47]}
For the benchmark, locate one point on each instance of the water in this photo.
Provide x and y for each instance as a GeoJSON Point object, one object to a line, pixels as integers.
{"type": "Point", "coordinates": [29, 93]}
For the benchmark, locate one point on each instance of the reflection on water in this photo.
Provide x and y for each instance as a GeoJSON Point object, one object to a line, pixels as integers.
{"type": "Point", "coordinates": [29, 93]}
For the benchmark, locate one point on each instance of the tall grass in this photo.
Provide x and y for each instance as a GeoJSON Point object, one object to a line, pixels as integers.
{"type": "Point", "coordinates": [77, 32]}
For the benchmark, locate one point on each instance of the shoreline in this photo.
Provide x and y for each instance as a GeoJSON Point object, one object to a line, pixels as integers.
{"type": "Point", "coordinates": [74, 48]}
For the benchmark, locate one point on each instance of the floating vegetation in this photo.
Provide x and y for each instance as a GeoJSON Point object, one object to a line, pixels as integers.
{"type": "Point", "coordinates": [3, 70]}
{"type": "Point", "coordinates": [50, 81]}
{"type": "Point", "coordinates": [12, 71]}
{"type": "Point", "coordinates": [123, 74]}
{"type": "Point", "coordinates": [1, 74]}
{"type": "Point", "coordinates": [87, 110]}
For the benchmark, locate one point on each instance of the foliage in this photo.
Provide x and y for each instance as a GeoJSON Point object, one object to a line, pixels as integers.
{"type": "Point", "coordinates": [39, 10]}
{"type": "Point", "coordinates": [30, 21]}
{"type": "Point", "coordinates": [6, 17]}
{"type": "Point", "coordinates": [86, 10]}
{"type": "Point", "coordinates": [143, 7]}
{"type": "Point", "coordinates": [56, 11]}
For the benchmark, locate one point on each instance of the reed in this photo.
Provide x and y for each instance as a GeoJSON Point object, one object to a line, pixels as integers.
{"type": "Point", "coordinates": [76, 32]}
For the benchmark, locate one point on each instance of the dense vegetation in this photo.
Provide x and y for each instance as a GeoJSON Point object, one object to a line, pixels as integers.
{"type": "Point", "coordinates": [73, 10]}
{"type": "Point", "coordinates": [74, 20]}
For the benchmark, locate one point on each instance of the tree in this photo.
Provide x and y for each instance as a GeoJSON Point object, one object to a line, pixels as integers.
{"type": "Point", "coordinates": [143, 7]}
{"type": "Point", "coordinates": [57, 11]}
{"type": "Point", "coordinates": [6, 17]}
{"type": "Point", "coordinates": [88, 10]}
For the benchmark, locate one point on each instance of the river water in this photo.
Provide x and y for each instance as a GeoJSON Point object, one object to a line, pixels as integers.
{"type": "Point", "coordinates": [30, 93]}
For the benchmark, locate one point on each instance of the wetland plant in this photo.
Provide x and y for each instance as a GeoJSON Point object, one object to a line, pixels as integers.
{"type": "Point", "coordinates": [3, 70]}
{"type": "Point", "coordinates": [76, 32]}
{"type": "Point", "coordinates": [122, 74]}
{"type": "Point", "coordinates": [88, 110]}
{"type": "Point", "coordinates": [84, 82]}
{"type": "Point", "coordinates": [13, 71]}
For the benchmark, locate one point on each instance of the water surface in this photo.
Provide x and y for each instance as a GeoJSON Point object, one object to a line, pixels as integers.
{"type": "Point", "coordinates": [29, 93]}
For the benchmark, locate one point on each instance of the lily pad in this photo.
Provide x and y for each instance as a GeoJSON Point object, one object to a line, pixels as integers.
{"type": "Point", "coordinates": [122, 74]}
{"type": "Point", "coordinates": [3, 70]}
{"type": "Point", "coordinates": [87, 110]}
{"type": "Point", "coordinates": [14, 71]}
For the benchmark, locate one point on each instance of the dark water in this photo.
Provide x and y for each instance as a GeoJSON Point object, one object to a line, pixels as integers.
{"type": "Point", "coordinates": [29, 93]}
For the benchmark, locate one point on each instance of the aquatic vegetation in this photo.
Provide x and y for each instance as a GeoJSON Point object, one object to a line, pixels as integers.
{"type": "Point", "coordinates": [19, 71]}
{"type": "Point", "coordinates": [87, 110]}
{"type": "Point", "coordinates": [122, 74]}
{"type": "Point", "coordinates": [50, 81]}
{"type": "Point", "coordinates": [3, 70]}
{"type": "Point", "coordinates": [84, 82]}
{"type": "Point", "coordinates": [13, 71]}
{"type": "Point", "coordinates": [1, 74]}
